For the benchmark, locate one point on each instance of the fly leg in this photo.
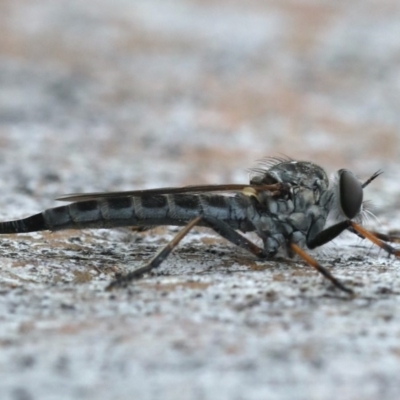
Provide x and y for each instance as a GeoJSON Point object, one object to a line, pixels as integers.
{"type": "Point", "coordinates": [155, 262]}
{"type": "Point", "coordinates": [394, 237]}
{"type": "Point", "coordinates": [377, 238]}
{"type": "Point", "coordinates": [218, 226]}
{"type": "Point", "coordinates": [234, 237]}
{"type": "Point", "coordinates": [328, 234]}
{"type": "Point", "coordinates": [320, 239]}
{"type": "Point", "coordinates": [228, 233]}
{"type": "Point", "coordinates": [311, 261]}
{"type": "Point", "coordinates": [333, 231]}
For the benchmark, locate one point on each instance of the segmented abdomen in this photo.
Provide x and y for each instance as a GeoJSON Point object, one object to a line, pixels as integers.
{"type": "Point", "coordinates": [132, 211]}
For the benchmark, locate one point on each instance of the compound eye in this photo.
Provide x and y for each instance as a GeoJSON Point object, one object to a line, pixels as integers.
{"type": "Point", "coordinates": [350, 193]}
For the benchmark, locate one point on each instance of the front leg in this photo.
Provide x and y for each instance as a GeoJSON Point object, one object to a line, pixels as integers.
{"type": "Point", "coordinates": [391, 237]}
{"type": "Point", "coordinates": [328, 234]}
{"type": "Point", "coordinates": [333, 231]}
{"type": "Point", "coordinates": [374, 238]}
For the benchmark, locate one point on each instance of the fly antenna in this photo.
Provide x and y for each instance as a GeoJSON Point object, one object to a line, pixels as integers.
{"type": "Point", "coordinates": [369, 180]}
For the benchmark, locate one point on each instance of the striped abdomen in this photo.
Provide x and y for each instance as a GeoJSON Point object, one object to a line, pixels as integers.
{"type": "Point", "coordinates": [149, 210]}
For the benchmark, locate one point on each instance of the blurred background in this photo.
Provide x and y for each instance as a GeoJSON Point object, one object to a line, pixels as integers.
{"type": "Point", "coordinates": [126, 94]}
{"type": "Point", "coordinates": [105, 95]}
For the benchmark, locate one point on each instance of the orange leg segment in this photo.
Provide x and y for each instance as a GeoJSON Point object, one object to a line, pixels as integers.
{"type": "Point", "coordinates": [309, 260]}
{"type": "Point", "coordinates": [370, 236]}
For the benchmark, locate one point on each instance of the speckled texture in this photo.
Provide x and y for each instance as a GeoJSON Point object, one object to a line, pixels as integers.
{"type": "Point", "coordinates": [116, 95]}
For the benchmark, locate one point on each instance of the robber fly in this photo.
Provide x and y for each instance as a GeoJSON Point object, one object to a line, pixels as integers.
{"type": "Point", "coordinates": [286, 204]}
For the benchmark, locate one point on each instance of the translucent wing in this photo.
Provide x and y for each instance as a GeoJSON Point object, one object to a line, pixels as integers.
{"type": "Point", "coordinates": [233, 188]}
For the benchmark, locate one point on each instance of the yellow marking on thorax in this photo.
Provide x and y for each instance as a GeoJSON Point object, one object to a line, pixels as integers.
{"type": "Point", "coordinates": [251, 192]}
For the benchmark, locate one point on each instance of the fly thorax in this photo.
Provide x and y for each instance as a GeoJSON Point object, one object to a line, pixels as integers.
{"type": "Point", "coordinates": [311, 209]}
